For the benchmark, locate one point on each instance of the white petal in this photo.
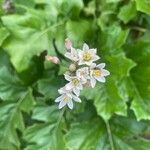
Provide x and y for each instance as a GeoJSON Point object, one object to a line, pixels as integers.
{"type": "Point", "coordinates": [101, 79]}
{"type": "Point", "coordinates": [62, 90]}
{"type": "Point", "coordinates": [69, 86]}
{"type": "Point", "coordinates": [94, 50]}
{"type": "Point", "coordinates": [77, 99]}
{"type": "Point", "coordinates": [81, 62]}
{"type": "Point", "coordinates": [58, 99]}
{"type": "Point", "coordinates": [88, 62]}
{"type": "Point", "coordinates": [93, 82]}
{"type": "Point", "coordinates": [101, 66]}
{"type": "Point", "coordinates": [67, 77]}
{"type": "Point", "coordinates": [76, 91]}
{"type": "Point", "coordinates": [73, 50]}
{"type": "Point", "coordinates": [70, 104]}
{"type": "Point", "coordinates": [93, 65]}
{"type": "Point", "coordinates": [85, 46]}
{"type": "Point", "coordinates": [68, 55]}
{"type": "Point", "coordinates": [105, 72]}
{"type": "Point", "coordinates": [62, 104]}
{"type": "Point", "coordinates": [96, 57]}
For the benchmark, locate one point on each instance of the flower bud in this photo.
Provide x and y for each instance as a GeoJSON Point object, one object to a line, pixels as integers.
{"type": "Point", "coordinates": [72, 67]}
{"type": "Point", "coordinates": [68, 43]}
{"type": "Point", "coordinates": [53, 59]}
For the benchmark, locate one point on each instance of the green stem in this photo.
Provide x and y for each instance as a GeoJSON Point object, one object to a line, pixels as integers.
{"type": "Point", "coordinates": [109, 135]}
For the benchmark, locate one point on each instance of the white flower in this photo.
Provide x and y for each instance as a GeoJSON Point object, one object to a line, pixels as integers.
{"type": "Point", "coordinates": [72, 55]}
{"type": "Point", "coordinates": [87, 56]}
{"type": "Point", "coordinates": [83, 74]}
{"type": "Point", "coordinates": [74, 84]}
{"type": "Point", "coordinates": [66, 98]}
{"type": "Point", "coordinates": [98, 73]}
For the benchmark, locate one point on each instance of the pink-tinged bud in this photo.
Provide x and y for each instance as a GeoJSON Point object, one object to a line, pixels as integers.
{"type": "Point", "coordinates": [53, 59]}
{"type": "Point", "coordinates": [68, 43]}
{"type": "Point", "coordinates": [87, 84]}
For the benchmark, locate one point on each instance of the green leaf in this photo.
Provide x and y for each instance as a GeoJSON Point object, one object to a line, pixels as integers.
{"type": "Point", "coordinates": [84, 136]}
{"type": "Point", "coordinates": [3, 34]}
{"type": "Point", "coordinates": [78, 31]}
{"type": "Point", "coordinates": [45, 113]}
{"type": "Point", "coordinates": [49, 87]}
{"type": "Point", "coordinates": [28, 102]}
{"type": "Point", "coordinates": [11, 119]}
{"type": "Point", "coordinates": [26, 38]}
{"type": "Point", "coordinates": [11, 88]}
{"type": "Point", "coordinates": [44, 136]}
{"type": "Point", "coordinates": [94, 135]}
{"type": "Point", "coordinates": [113, 38]}
{"type": "Point", "coordinates": [111, 97]}
{"type": "Point", "coordinates": [127, 12]}
{"type": "Point", "coordinates": [143, 6]}
{"type": "Point", "coordinates": [140, 53]}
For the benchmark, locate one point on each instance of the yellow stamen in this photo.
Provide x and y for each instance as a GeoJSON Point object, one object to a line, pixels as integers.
{"type": "Point", "coordinates": [87, 56]}
{"type": "Point", "coordinates": [75, 82]}
{"type": "Point", "coordinates": [66, 98]}
{"type": "Point", "coordinates": [97, 72]}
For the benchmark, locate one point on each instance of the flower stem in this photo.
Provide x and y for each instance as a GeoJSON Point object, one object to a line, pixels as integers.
{"type": "Point", "coordinates": [109, 135]}
{"type": "Point", "coordinates": [60, 118]}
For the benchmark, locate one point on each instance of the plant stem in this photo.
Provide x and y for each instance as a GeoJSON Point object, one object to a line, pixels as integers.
{"type": "Point", "coordinates": [109, 135]}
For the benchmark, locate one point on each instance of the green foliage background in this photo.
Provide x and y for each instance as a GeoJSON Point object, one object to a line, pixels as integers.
{"type": "Point", "coordinates": [112, 116]}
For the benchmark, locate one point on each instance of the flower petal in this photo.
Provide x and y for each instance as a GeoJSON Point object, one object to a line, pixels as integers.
{"type": "Point", "coordinates": [76, 91]}
{"type": "Point", "coordinates": [69, 86]}
{"type": "Point", "coordinates": [62, 104]}
{"type": "Point", "coordinates": [105, 72]}
{"type": "Point", "coordinates": [101, 79]}
{"type": "Point", "coordinates": [62, 90]}
{"type": "Point", "coordinates": [67, 77]}
{"type": "Point", "coordinates": [96, 57]}
{"type": "Point", "coordinates": [93, 82]}
{"type": "Point", "coordinates": [70, 104]}
{"type": "Point", "coordinates": [58, 99]}
{"type": "Point", "coordinates": [93, 65]}
{"type": "Point", "coordinates": [68, 55]}
{"type": "Point", "coordinates": [101, 66]}
{"type": "Point", "coordinates": [94, 50]}
{"type": "Point", "coordinates": [76, 99]}
{"type": "Point", "coordinates": [85, 46]}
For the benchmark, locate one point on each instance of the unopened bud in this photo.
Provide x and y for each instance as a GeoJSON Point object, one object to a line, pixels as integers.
{"type": "Point", "coordinates": [53, 59]}
{"type": "Point", "coordinates": [72, 67]}
{"type": "Point", "coordinates": [68, 43]}
{"type": "Point", "coordinates": [87, 84]}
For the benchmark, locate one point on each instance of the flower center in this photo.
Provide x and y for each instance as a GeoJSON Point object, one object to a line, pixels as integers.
{"type": "Point", "coordinates": [87, 56]}
{"type": "Point", "coordinates": [66, 98]}
{"type": "Point", "coordinates": [97, 72]}
{"type": "Point", "coordinates": [75, 82]}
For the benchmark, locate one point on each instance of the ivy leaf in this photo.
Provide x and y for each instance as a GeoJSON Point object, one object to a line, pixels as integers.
{"type": "Point", "coordinates": [143, 6]}
{"type": "Point", "coordinates": [113, 38]}
{"type": "Point", "coordinates": [140, 85]}
{"type": "Point", "coordinates": [45, 113]}
{"type": "Point", "coordinates": [11, 88]}
{"type": "Point", "coordinates": [82, 136]}
{"type": "Point", "coordinates": [28, 102]}
{"type": "Point", "coordinates": [25, 30]}
{"type": "Point", "coordinates": [3, 34]}
{"type": "Point", "coordinates": [80, 34]}
{"type": "Point", "coordinates": [109, 98]}
{"type": "Point", "coordinates": [44, 136]}
{"type": "Point", "coordinates": [127, 12]}
{"type": "Point", "coordinates": [49, 86]}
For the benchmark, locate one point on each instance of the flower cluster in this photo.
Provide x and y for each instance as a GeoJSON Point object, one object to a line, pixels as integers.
{"type": "Point", "coordinates": [82, 72]}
